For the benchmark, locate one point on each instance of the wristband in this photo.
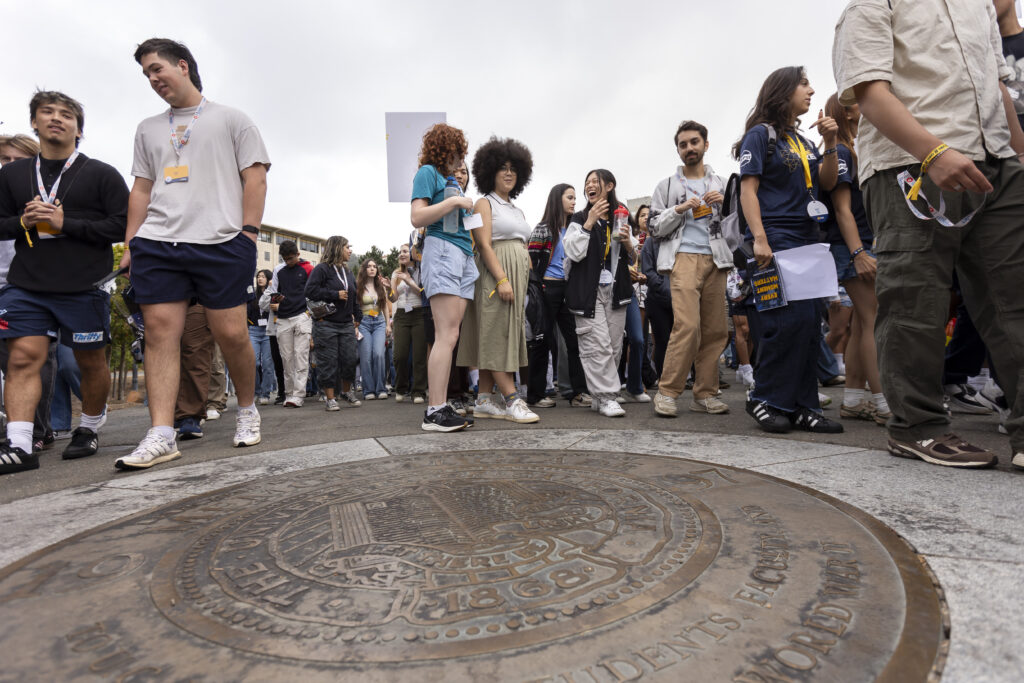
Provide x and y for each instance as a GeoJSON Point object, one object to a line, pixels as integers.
{"type": "Point", "coordinates": [928, 160]}
{"type": "Point", "coordinates": [498, 284]}
{"type": "Point", "coordinates": [858, 250]}
{"type": "Point", "coordinates": [252, 229]}
{"type": "Point", "coordinates": [28, 237]}
{"type": "Point", "coordinates": [828, 151]}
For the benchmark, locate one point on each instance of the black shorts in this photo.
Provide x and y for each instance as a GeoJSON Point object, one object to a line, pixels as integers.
{"type": "Point", "coordinates": [82, 319]}
{"type": "Point", "coordinates": [218, 275]}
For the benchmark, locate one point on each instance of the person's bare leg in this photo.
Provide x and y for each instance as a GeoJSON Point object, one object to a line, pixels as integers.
{"type": "Point", "coordinates": [23, 387]}
{"type": "Point", "coordinates": [865, 309]}
{"type": "Point", "coordinates": [447, 310]}
{"type": "Point", "coordinates": [232, 335]}
{"type": "Point", "coordinates": [95, 379]}
{"type": "Point", "coordinates": [164, 326]}
{"type": "Point", "coordinates": [742, 339]}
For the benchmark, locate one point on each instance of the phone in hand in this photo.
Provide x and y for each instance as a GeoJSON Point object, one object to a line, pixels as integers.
{"type": "Point", "coordinates": [276, 298]}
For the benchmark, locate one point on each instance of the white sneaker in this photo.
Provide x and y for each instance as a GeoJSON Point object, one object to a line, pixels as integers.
{"type": "Point", "coordinates": [642, 397]}
{"type": "Point", "coordinates": [263, 401]}
{"type": "Point", "coordinates": [152, 450]}
{"type": "Point", "coordinates": [521, 413]}
{"type": "Point", "coordinates": [383, 396]}
{"type": "Point", "coordinates": [332, 405]}
{"type": "Point", "coordinates": [485, 408]}
{"type": "Point", "coordinates": [417, 400]}
{"type": "Point", "coordinates": [247, 428]}
{"type": "Point", "coordinates": [610, 408]}
{"type": "Point", "coordinates": [399, 398]}
{"type": "Point", "coordinates": [293, 403]}
{"type": "Point", "coordinates": [212, 414]}
{"type": "Point", "coordinates": [824, 400]}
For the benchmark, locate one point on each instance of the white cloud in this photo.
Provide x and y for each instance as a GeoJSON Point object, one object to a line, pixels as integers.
{"type": "Point", "coordinates": [583, 84]}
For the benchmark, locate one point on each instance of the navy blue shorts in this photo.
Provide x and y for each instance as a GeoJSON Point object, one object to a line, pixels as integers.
{"type": "Point", "coordinates": [218, 275]}
{"type": "Point", "coordinates": [82, 319]}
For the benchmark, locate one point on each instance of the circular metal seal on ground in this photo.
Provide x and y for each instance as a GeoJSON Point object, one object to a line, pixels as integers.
{"type": "Point", "coordinates": [525, 566]}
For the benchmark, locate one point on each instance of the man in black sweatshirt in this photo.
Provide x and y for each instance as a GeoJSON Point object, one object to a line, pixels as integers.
{"type": "Point", "coordinates": [64, 210]}
{"type": "Point", "coordinates": [287, 292]}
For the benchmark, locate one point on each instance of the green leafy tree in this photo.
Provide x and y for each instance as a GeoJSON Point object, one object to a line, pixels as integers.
{"type": "Point", "coordinates": [386, 264]}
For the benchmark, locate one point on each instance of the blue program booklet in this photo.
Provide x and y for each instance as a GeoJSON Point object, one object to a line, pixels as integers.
{"type": "Point", "coordinates": [767, 285]}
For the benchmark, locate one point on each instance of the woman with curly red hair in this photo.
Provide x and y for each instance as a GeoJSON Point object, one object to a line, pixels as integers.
{"type": "Point", "coordinates": [447, 269]}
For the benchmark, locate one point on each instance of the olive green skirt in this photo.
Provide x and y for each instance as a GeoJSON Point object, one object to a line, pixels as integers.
{"type": "Point", "coordinates": [493, 335]}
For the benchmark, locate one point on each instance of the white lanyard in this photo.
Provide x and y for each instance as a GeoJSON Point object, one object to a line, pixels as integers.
{"type": "Point", "coordinates": [343, 278]}
{"type": "Point", "coordinates": [49, 198]}
{"type": "Point", "coordinates": [179, 143]}
{"type": "Point", "coordinates": [936, 214]}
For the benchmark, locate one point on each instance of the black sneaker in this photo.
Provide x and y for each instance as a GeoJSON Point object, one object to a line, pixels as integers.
{"type": "Point", "coordinates": [768, 418]}
{"type": "Point", "coordinates": [84, 442]}
{"type": "Point", "coordinates": [443, 420]}
{"type": "Point", "coordinates": [13, 459]}
{"type": "Point", "coordinates": [962, 398]}
{"type": "Point", "coordinates": [279, 400]}
{"type": "Point", "coordinates": [458, 406]}
{"type": "Point", "coordinates": [190, 429]}
{"type": "Point", "coordinates": [810, 421]}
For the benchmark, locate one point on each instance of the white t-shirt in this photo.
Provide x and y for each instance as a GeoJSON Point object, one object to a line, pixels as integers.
{"type": "Point", "coordinates": [208, 208]}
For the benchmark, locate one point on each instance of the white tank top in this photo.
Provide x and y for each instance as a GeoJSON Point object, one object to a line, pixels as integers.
{"type": "Point", "coordinates": [507, 221]}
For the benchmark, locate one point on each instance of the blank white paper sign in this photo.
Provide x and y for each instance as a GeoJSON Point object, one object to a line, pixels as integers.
{"type": "Point", "coordinates": [808, 272]}
{"type": "Point", "coordinates": [404, 132]}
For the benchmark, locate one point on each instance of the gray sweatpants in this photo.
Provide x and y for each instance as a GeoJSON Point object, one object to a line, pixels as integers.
{"type": "Point", "coordinates": [916, 259]}
{"type": "Point", "coordinates": [600, 341]}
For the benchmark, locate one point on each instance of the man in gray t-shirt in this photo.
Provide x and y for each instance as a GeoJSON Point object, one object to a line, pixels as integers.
{"type": "Point", "coordinates": [200, 173]}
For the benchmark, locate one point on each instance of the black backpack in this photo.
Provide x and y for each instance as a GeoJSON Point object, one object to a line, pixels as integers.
{"type": "Point", "coordinates": [732, 210]}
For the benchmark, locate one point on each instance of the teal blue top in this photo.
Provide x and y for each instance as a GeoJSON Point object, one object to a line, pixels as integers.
{"type": "Point", "coordinates": [429, 184]}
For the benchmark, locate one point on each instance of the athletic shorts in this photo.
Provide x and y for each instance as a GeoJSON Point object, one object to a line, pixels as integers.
{"type": "Point", "coordinates": [218, 275]}
{"type": "Point", "coordinates": [82, 319]}
{"type": "Point", "coordinates": [446, 269]}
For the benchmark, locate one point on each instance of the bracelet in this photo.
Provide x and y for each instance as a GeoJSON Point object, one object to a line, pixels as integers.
{"type": "Point", "coordinates": [828, 151]}
{"type": "Point", "coordinates": [928, 160]}
{"type": "Point", "coordinates": [858, 250]}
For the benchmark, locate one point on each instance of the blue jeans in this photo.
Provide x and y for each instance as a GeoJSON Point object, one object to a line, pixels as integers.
{"type": "Point", "coordinates": [264, 360]}
{"type": "Point", "coordinates": [635, 337]}
{"type": "Point", "coordinates": [371, 353]}
{"type": "Point", "coordinates": [67, 380]}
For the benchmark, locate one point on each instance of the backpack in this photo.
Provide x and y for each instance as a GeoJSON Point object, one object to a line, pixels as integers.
{"type": "Point", "coordinates": [734, 225]}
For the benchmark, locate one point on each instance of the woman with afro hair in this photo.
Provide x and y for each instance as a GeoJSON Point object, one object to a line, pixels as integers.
{"type": "Point", "coordinates": [494, 330]}
{"type": "Point", "coordinates": [447, 269]}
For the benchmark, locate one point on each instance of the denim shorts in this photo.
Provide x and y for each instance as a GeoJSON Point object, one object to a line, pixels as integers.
{"type": "Point", "coordinates": [446, 269]}
{"type": "Point", "coordinates": [218, 275]}
{"type": "Point", "coordinates": [82, 318]}
{"type": "Point", "coordinates": [844, 267]}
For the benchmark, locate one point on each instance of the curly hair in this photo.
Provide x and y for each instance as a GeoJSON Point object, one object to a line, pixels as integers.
{"type": "Point", "coordinates": [492, 155]}
{"type": "Point", "coordinates": [440, 144]}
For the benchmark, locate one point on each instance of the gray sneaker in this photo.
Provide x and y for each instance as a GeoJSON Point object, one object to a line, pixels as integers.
{"type": "Point", "coordinates": [665, 405]}
{"type": "Point", "coordinates": [331, 405]}
{"type": "Point", "coordinates": [350, 398]}
{"type": "Point", "coordinates": [710, 405]}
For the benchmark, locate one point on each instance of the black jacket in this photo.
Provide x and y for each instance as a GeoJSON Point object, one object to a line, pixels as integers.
{"type": "Point", "coordinates": [658, 285]}
{"type": "Point", "coordinates": [324, 285]}
{"type": "Point", "coordinates": [581, 291]}
{"type": "Point", "coordinates": [95, 201]}
{"type": "Point", "coordinates": [291, 283]}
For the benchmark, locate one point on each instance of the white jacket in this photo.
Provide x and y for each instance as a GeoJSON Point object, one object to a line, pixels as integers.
{"type": "Point", "coordinates": [664, 223]}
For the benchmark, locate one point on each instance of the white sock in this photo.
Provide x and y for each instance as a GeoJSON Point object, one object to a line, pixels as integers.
{"type": "Point", "coordinates": [166, 432]}
{"type": "Point", "coordinates": [474, 377]}
{"type": "Point", "coordinates": [746, 369]}
{"type": "Point", "coordinates": [881, 405]}
{"type": "Point", "coordinates": [251, 408]}
{"type": "Point", "coordinates": [852, 397]}
{"type": "Point", "coordinates": [839, 358]}
{"type": "Point", "coordinates": [91, 422]}
{"type": "Point", "coordinates": [20, 435]}
{"type": "Point", "coordinates": [433, 409]}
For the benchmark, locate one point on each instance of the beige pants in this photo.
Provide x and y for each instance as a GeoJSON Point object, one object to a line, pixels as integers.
{"type": "Point", "coordinates": [700, 327]}
{"type": "Point", "coordinates": [218, 382]}
{"type": "Point", "coordinates": [600, 342]}
{"type": "Point", "coordinates": [293, 335]}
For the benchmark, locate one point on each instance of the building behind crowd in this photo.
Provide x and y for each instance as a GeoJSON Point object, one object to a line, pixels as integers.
{"type": "Point", "coordinates": [636, 203]}
{"type": "Point", "coordinates": [310, 247]}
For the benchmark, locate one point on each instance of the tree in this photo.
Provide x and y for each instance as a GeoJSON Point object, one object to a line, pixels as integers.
{"type": "Point", "coordinates": [386, 264]}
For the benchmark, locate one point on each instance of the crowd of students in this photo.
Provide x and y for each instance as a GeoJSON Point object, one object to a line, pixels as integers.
{"type": "Point", "coordinates": [636, 301]}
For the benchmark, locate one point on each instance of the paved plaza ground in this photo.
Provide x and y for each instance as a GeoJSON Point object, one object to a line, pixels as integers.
{"type": "Point", "coordinates": [965, 523]}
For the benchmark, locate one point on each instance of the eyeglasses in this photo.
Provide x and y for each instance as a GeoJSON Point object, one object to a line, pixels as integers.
{"type": "Point", "coordinates": [509, 168]}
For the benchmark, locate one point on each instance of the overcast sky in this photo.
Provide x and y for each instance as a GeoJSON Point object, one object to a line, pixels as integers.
{"type": "Point", "coordinates": [582, 84]}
